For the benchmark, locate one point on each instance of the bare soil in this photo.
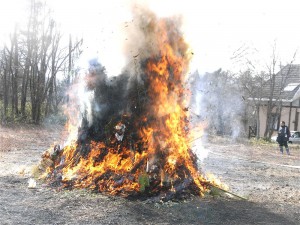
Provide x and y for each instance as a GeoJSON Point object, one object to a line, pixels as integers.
{"type": "Point", "coordinates": [258, 172]}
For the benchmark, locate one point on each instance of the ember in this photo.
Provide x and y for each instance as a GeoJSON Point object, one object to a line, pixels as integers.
{"type": "Point", "coordinates": [136, 139]}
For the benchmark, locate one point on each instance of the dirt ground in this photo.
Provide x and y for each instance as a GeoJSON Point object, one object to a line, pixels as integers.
{"type": "Point", "coordinates": [268, 180]}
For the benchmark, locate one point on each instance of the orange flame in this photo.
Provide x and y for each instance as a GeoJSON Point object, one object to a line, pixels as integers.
{"type": "Point", "coordinates": [118, 168]}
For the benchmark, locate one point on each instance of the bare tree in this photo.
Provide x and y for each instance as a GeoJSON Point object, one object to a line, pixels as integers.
{"type": "Point", "coordinates": [251, 86]}
{"type": "Point", "coordinates": [5, 78]}
{"type": "Point", "coordinates": [15, 74]}
{"type": "Point", "coordinates": [30, 64]}
{"type": "Point", "coordinates": [265, 88]}
{"type": "Point", "coordinates": [59, 58]}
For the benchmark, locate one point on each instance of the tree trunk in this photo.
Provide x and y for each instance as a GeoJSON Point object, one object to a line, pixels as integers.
{"type": "Point", "coordinates": [25, 79]}
{"type": "Point", "coordinates": [24, 91]}
{"type": "Point", "coordinates": [257, 122]}
{"type": "Point", "coordinates": [16, 74]}
{"type": "Point", "coordinates": [6, 89]}
{"type": "Point", "coordinates": [10, 71]}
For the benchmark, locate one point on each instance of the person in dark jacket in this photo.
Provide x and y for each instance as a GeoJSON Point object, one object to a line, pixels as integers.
{"type": "Point", "coordinates": [283, 137]}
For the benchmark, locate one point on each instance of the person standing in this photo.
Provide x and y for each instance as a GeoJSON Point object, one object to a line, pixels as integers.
{"type": "Point", "coordinates": [283, 137]}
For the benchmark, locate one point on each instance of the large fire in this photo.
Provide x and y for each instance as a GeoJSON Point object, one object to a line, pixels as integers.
{"type": "Point", "coordinates": [147, 149]}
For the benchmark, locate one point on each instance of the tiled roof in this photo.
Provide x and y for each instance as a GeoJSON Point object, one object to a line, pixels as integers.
{"type": "Point", "coordinates": [290, 74]}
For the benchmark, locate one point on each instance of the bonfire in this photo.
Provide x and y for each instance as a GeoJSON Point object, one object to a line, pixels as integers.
{"type": "Point", "coordinates": [135, 135]}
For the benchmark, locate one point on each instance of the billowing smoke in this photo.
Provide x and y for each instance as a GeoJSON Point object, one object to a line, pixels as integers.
{"type": "Point", "coordinates": [109, 100]}
{"type": "Point", "coordinates": [112, 99]}
{"type": "Point", "coordinates": [217, 100]}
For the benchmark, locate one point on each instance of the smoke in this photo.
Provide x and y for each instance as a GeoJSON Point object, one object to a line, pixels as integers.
{"type": "Point", "coordinates": [101, 98]}
{"type": "Point", "coordinates": [105, 100]}
{"type": "Point", "coordinates": [144, 38]}
{"type": "Point", "coordinates": [216, 99]}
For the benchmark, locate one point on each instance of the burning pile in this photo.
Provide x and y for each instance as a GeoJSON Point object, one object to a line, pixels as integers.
{"type": "Point", "coordinates": [135, 140]}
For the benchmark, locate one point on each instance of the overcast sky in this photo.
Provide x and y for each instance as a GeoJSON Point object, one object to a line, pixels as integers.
{"type": "Point", "coordinates": [215, 29]}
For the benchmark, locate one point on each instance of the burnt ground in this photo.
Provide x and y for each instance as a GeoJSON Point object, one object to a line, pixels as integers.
{"type": "Point", "coordinates": [268, 180]}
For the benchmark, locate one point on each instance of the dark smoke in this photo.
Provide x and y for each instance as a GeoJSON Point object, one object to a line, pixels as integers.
{"type": "Point", "coordinates": [125, 97]}
{"type": "Point", "coordinates": [110, 102]}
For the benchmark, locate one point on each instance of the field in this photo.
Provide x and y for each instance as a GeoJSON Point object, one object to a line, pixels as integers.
{"type": "Point", "coordinates": [258, 172]}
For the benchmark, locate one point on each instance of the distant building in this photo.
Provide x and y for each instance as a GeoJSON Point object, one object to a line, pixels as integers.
{"type": "Point", "coordinates": [285, 98]}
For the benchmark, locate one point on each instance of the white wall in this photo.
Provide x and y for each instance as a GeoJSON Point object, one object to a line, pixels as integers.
{"type": "Point", "coordinates": [284, 117]}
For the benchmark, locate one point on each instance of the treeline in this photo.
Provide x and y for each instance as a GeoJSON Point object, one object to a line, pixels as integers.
{"type": "Point", "coordinates": [36, 67]}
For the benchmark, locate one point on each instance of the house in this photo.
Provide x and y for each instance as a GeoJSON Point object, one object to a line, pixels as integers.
{"type": "Point", "coordinates": [286, 98]}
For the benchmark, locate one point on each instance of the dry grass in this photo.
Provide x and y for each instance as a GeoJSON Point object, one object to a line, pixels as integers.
{"type": "Point", "coordinates": [250, 170]}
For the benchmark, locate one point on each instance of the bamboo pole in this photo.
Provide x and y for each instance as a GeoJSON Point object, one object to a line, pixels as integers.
{"type": "Point", "coordinates": [221, 189]}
